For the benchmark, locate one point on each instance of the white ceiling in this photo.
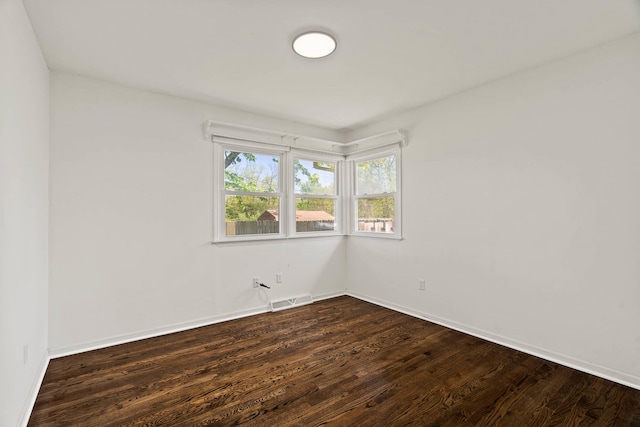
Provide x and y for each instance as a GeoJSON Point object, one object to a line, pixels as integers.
{"type": "Point", "coordinates": [391, 56]}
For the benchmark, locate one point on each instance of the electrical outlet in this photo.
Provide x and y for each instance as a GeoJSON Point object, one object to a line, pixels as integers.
{"type": "Point", "coordinates": [256, 282]}
{"type": "Point", "coordinates": [422, 284]}
{"type": "Point", "coordinates": [278, 277]}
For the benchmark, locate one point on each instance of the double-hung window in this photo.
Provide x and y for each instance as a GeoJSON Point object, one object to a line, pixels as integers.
{"type": "Point", "coordinates": [251, 193]}
{"type": "Point", "coordinates": [315, 195]}
{"type": "Point", "coordinates": [267, 192]}
{"type": "Point", "coordinates": [270, 185]}
{"type": "Point", "coordinates": [376, 197]}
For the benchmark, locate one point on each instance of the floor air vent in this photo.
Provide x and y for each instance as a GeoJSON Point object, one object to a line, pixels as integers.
{"type": "Point", "coordinates": [290, 303]}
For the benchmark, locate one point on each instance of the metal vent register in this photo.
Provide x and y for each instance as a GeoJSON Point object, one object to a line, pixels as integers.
{"type": "Point", "coordinates": [290, 302]}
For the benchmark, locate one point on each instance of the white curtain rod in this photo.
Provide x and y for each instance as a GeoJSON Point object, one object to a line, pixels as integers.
{"type": "Point", "coordinates": [218, 130]}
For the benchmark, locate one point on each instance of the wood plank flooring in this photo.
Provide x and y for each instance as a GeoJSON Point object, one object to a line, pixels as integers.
{"type": "Point", "coordinates": [338, 362]}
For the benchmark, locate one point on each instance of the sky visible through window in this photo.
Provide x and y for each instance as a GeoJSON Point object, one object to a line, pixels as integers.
{"type": "Point", "coordinates": [314, 177]}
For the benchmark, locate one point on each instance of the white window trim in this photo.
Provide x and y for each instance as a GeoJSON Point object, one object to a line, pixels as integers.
{"type": "Point", "coordinates": [339, 205]}
{"type": "Point", "coordinates": [219, 205]}
{"type": "Point", "coordinates": [227, 136]}
{"type": "Point", "coordinates": [353, 211]}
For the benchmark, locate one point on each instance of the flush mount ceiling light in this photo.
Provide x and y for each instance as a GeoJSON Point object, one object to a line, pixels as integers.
{"type": "Point", "coordinates": [314, 44]}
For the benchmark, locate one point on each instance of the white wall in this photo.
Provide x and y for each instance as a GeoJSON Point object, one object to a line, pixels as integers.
{"type": "Point", "coordinates": [131, 220]}
{"type": "Point", "coordinates": [24, 166]}
{"type": "Point", "coordinates": [521, 205]}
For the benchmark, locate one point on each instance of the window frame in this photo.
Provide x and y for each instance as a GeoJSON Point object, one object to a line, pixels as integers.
{"type": "Point", "coordinates": [219, 217]}
{"type": "Point", "coordinates": [353, 160]}
{"type": "Point", "coordinates": [337, 196]}
{"type": "Point", "coordinates": [226, 137]}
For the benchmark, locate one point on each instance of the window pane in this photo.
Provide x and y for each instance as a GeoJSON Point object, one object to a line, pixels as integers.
{"type": "Point", "coordinates": [250, 172]}
{"type": "Point", "coordinates": [251, 215]}
{"type": "Point", "coordinates": [315, 215]}
{"type": "Point", "coordinates": [376, 214]}
{"type": "Point", "coordinates": [314, 177]}
{"type": "Point", "coordinates": [376, 176]}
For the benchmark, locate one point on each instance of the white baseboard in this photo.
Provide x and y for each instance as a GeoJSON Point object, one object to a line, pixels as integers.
{"type": "Point", "coordinates": [580, 365]}
{"type": "Point", "coordinates": [136, 336]}
{"type": "Point", "coordinates": [123, 339]}
{"type": "Point", "coordinates": [33, 392]}
{"type": "Point", "coordinates": [329, 295]}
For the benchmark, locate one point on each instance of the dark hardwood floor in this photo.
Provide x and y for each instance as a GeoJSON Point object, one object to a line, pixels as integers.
{"type": "Point", "coordinates": [340, 362]}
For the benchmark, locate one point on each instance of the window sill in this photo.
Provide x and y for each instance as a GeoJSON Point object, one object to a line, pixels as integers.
{"type": "Point", "coordinates": [266, 240]}
{"type": "Point", "coordinates": [371, 235]}
{"type": "Point", "coordinates": [253, 240]}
